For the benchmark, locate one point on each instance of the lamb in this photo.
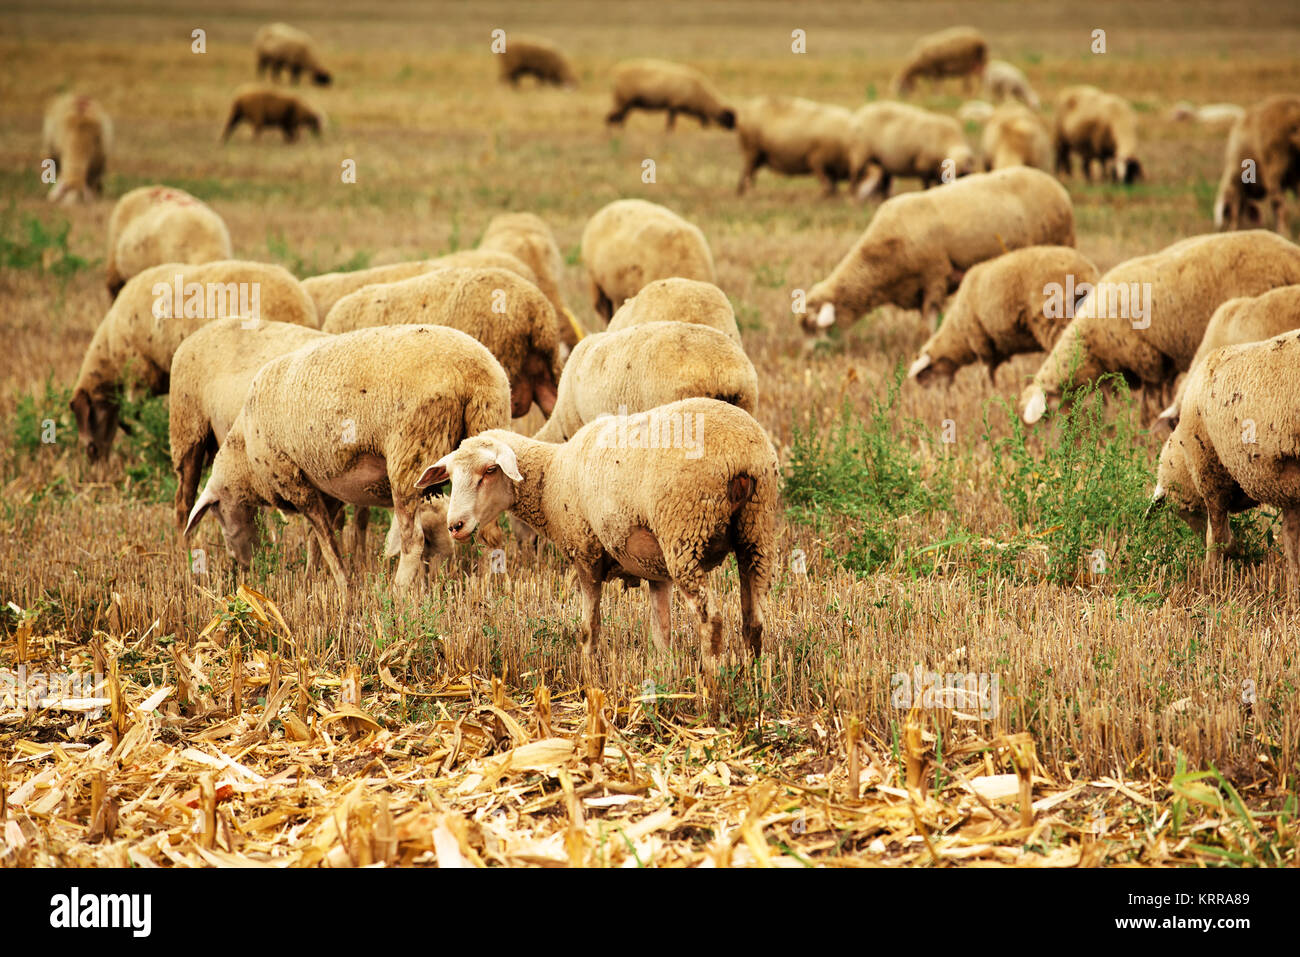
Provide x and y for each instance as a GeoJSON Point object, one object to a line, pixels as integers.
{"type": "Point", "coordinates": [955, 52]}
{"type": "Point", "coordinates": [1005, 81]}
{"type": "Point", "coordinates": [507, 314]}
{"type": "Point", "coordinates": [159, 224]}
{"type": "Point", "coordinates": [1014, 136]}
{"type": "Point", "coordinates": [280, 46]}
{"type": "Point", "coordinates": [620, 503]}
{"type": "Point", "coordinates": [1264, 147]}
{"type": "Point", "coordinates": [352, 420]}
{"type": "Point", "coordinates": [1244, 319]}
{"type": "Point", "coordinates": [1236, 444]}
{"type": "Point", "coordinates": [77, 135]}
{"type": "Point", "coordinates": [1211, 114]}
{"type": "Point", "coordinates": [635, 369]}
{"type": "Point", "coordinates": [262, 106]}
{"type": "Point", "coordinates": [528, 238]}
{"type": "Point", "coordinates": [210, 375]}
{"type": "Point", "coordinates": [1098, 126]}
{"type": "Point", "coordinates": [661, 85]}
{"type": "Point", "coordinates": [156, 310]}
{"type": "Point", "coordinates": [631, 242]}
{"type": "Point", "coordinates": [678, 300]}
{"type": "Point", "coordinates": [328, 288]}
{"type": "Point", "coordinates": [1004, 307]}
{"type": "Point", "coordinates": [918, 245]}
{"type": "Point", "coordinates": [795, 137]}
{"type": "Point", "coordinates": [1147, 316]}
{"type": "Point", "coordinates": [536, 57]}
{"type": "Point", "coordinates": [894, 139]}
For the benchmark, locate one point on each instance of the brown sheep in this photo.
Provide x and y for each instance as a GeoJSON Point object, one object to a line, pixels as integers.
{"type": "Point", "coordinates": [262, 106]}
{"type": "Point", "coordinates": [795, 137]}
{"type": "Point", "coordinates": [955, 52]}
{"type": "Point", "coordinates": [631, 242]}
{"type": "Point", "coordinates": [1098, 126]}
{"type": "Point", "coordinates": [1015, 136]}
{"type": "Point", "coordinates": [280, 46]}
{"type": "Point", "coordinates": [535, 57]}
{"type": "Point", "coordinates": [160, 224]}
{"type": "Point", "coordinates": [77, 135]}
{"type": "Point", "coordinates": [660, 85]}
{"type": "Point", "coordinates": [1267, 138]}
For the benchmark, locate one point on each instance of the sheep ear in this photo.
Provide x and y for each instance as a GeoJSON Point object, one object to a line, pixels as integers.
{"type": "Point", "coordinates": [920, 365]}
{"type": "Point", "coordinates": [436, 473]}
{"type": "Point", "coordinates": [509, 464]}
{"type": "Point", "coordinates": [1157, 499]}
{"type": "Point", "coordinates": [1036, 406]}
{"type": "Point", "coordinates": [826, 316]}
{"type": "Point", "coordinates": [205, 502]}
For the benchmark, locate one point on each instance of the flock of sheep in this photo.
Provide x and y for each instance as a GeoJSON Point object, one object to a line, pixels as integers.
{"type": "Point", "coordinates": [372, 388]}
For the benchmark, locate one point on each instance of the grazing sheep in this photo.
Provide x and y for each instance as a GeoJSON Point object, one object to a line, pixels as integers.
{"type": "Point", "coordinates": [1015, 136]}
{"type": "Point", "coordinates": [635, 369]}
{"type": "Point", "coordinates": [210, 375]}
{"type": "Point", "coordinates": [1236, 444]}
{"type": "Point", "coordinates": [660, 85]}
{"type": "Point", "coordinates": [1005, 81]}
{"type": "Point", "coordinates": [507, 314]}
{"type": "Point", "coordinates": [77, 135]}
{"type": "Point", "coordinates": [1147, 316]}
{"type": "Point", "coordinates": [528, 238]}
{"type": "Point", "coordinates": [795, 137]}
{"type": "Point", "coordinates": [158, 224]}
{"type": "Point", "coordinates": [955, 52]}
{"type": "Point", "coordinates": [328, 288]}
{"type": "Point", "coordinates": [1004, 307]}
{"type": "Point", "coordinates": [280, 46]}
{"type": "Point", "coordinates": [1244, 319]}
{"type": "Point", "coordinates": [1264, 147]}
{"type": "Point", "coordinates": [1211, 114]}
{"type": "Point", "coordinates": [1098, 126]}
{"type": "Point", "coordinates": [632, 242]}
{"type": "Point", "coordinates": [975, 111]}
{"type": "Point", "coordinates": [629, 498]}
{"type": "Point", "coordinates": [895, 139]}
{"type": "Point", "coordinates": [918, 245]}
{"type": "Point", "coordinates": [679, 300]}
{"type": "Point", "coordinates": [262, 106]}
{"type": "Point", "coordinates": [352, 420]}
{"type": "Point", "coordinates": [536, 57]}
{"type": "Point", "coordinates": [156, 310]}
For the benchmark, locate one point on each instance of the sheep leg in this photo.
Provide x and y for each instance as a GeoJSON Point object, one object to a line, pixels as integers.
{"type": "Point", "coordinates": [932, 302]}
{"type": "Point", "coordinates": [1291, 544]}
{"type": "Point", "coordinates": [360, 523]}
{"type": "Point", "coordinates": [317, 512]}
{"type": "Point", "coordinates": [661, 617]}
{"type": "Point", "coordinates": [235, 116]}
{"type": "Point", "coordinates": [825, 178]}
{"type": "Point", "coordinates": [412, 539]}
{"type": "Point", "coordinates": [1218, 534]}
{"type": "Point", "coordinates": [753, 160]}
{"type": "Point", "coordinates": [591, 580]}
{"type": "Point", "coordinates": [693, 581]}
{"type": "Point", "coordinates": [672, 120]}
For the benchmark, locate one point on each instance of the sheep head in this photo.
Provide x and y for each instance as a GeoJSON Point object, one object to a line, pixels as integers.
{"type": "Point", "coordinates": [928, 371]}
{"type": "Point", "coordinates": [1175, 486]}
{"type": "Point", "coordinates": [237, 518]}
{"type": "Point", "coordinates": [96, 422]}
{"type": "Point", "coordinates": [482, 473]}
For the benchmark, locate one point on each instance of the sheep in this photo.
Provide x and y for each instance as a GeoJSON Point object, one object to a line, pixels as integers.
{"type": "Point", "coordinates": [262, 106]}
{"type": "Point", "coordinates": [631, 242]}
{"type": "Point", "coordinates": [1261, 161]}
{"type": "Point", "coordinates": [894, 139]}
{"type": "Point", "coordinates": [794, 137]}
{"type": "Point", "coordinates": [280, 46]}
{"type": "Point", "coordinates": [620, 503]}
{"type": "Point", "coordinates": [351, 420]}
{"type": "Point", "coordinates": [528, 238]}
{"type": "Point", "coordinates": [1236, 445]}
{"type": "Point", "coordinates": [918, 245]}
{"type": "Point", "coordinates": [1098, 126]}
{"type": "Point", "coordinates": [955, 52]}
{"type": "Point", "coordinates": [536, 57]}
{"type": "Point", "coordinates": [77, 135]}
{"type": "Point", "coordinates": [635, 369]}
{"type": "Point", "coordinates": [159, 224]}
{"type": "Point", "coordinates": [507, 314]}
{"type": "Point", "coordinates": [156, 310]}
{"type": "Point", "coordinates": [678, 300]}
{"type": "Point", "coordinates": [1147, 316]}
{"type": "Point", "coordinates": [1014, 136]}
{"type": "Point", "coordinates": [662, 85]}
{"type": "Point", "coordinates": [1005, 81]}
{"type": "Point", "coordinates": [210, 375]}
{"type": "Point", "coordinates": [328, 288]}
{"type": "Point", "coordinates": [1211, 114]}
{"type": "Point", "coordinates": [1004, 307]}
{"type": "Point", "coordinates": [1244, 319]}
{"type": "Point", "coordinates": [975, 111]}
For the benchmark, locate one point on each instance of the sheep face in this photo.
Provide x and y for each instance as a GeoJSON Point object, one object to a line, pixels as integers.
{"type": "Point", "coordinates": [927, 371]}
{"type": "Point", "coordinates": [1174, 486]}
{"type": "Point", "coordinates": [820, 312]}
{"type": "Point", "coordinates": [1129, 171]}
{"type": "Point", "coordinates": [238, 521]}
{"type": "Point", "coordinates": [96, 423]}
{"type": "Point", "coordinates": [482, 472]}
{"type": "Point", "coordinates": [727, 119]}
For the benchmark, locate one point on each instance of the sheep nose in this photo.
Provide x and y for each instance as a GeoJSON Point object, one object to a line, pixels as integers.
{"type": "Point", "coordinates": [455, 527]}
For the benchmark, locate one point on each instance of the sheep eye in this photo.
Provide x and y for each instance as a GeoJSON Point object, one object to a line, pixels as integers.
{"type": "Point", "coordinates": [489, 470]}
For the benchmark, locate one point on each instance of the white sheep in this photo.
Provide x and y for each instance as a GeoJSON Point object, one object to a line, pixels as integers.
{"type": "Point", "coordinates": [673, 87]}
{"type": "Point", "coordinates": [1015, 136]}
{"type": "Point", "coordinates": [795, 137]}
{"type": "Point", "coordinates": [1261, 162]}
{"type": "Point", "coordinates": [161, 224]}
{"type": "Point", "coordinates": [1100, 127]}
{"type": "Point", "coordinates": [896, 139]}
{"type": "Point", "coordinates": [281, 47]}
{"type": "Point", "coordinates": [527, 237]}
{"type": "Point", "coordinates": [1005, 81]}
{"type": "Point", "coordinates": [77, 135]}
{"type": "Point", "coordinates": [678, 300]}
